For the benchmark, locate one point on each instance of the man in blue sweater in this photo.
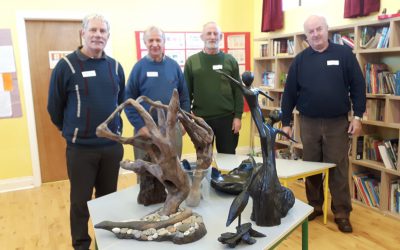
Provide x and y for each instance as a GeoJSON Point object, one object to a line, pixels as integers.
{"type": "Point", "coordinates": [155, 76]}
{"type": "Point", "coordinates": [86, 86]}
{"type": "Point", "coordinates": [320, 81]}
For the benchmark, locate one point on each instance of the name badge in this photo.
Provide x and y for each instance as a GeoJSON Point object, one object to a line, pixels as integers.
{"type": "Point", "coordinates": [90, 73]}
{"type": "Point", "coordinates": [219, 66]}
{"type": "Point", "coordinates": [152, 74]}
{"type": "Point", "coordinates": [332, 62]}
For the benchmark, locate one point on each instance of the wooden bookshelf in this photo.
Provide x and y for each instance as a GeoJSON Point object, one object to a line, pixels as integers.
{"type": "Point", "coordinates": [382, 117]}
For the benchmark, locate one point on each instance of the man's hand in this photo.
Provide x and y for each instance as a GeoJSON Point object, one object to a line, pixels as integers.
{"type": "Point", "coordinates": [355, 127]}
{"type": "Point", "coordinates": [236, 125]}
{"type": "Point", "coordinates": [288, 130]}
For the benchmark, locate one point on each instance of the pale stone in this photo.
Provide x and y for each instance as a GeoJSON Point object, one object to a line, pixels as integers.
{"type": "Point", "coordinates": [116, 230]}
{"type": "Point", "coordinates": [177, 224]}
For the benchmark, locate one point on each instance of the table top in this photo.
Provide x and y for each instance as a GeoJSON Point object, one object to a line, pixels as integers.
{"type": "Point", "coordinates": [214, 209]}
{"type": "Point", "coordinates": [284, 168]}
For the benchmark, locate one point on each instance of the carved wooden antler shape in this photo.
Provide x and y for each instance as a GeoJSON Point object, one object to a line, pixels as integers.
{"type": "Point", "coordinates": [165, 165]}
{"type": "Point", "coordinates": [202, 137]}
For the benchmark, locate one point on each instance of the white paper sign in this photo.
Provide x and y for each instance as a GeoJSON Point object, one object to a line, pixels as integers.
{"type": "Point", "coordinates": [5, 104]}
{"type": "Point", "coordinates": [7, 63]}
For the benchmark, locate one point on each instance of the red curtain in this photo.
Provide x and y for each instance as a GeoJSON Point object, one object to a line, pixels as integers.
{"type": "Point", "coordinates": [272, 15]}
{"type": "Point", "coordinates": [356, 8]}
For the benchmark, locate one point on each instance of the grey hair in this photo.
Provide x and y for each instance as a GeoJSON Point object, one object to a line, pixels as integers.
{"type": "Point", "coordinates": [86, 19]}
{"type": "Point", "coordinates": [151, 29]}
{"type": "Point", "coordinates": [212, 22]}
{"type": "Point", "coordinates": [313, 16]}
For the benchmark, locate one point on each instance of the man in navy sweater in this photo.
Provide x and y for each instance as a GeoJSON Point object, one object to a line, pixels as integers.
{"type": "Point", "coordinates": [155, 76]}
{"type": "Point", "coordinates": [86, 86]}
{"type": "Point", "coordinates": [320, 81]}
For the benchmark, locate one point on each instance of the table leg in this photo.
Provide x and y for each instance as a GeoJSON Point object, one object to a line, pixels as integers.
{"type": "Point", "coordinates": [304, 235]}
{"type": "Point", "coordinates": [326, 195]}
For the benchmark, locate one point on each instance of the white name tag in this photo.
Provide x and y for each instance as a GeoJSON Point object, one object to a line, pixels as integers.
{"type": "Point", "coordinates": [219, 66]}
{"type": "Point", "coordinates": [332, 62]}
{"type": "Point", "coordinates": [90, 73]}
{"type": "Point", "coordinates": [152, 74]}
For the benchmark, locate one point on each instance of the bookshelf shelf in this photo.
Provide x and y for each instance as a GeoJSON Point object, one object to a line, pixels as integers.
{"type": "Point", "coordinates": [382, 118]}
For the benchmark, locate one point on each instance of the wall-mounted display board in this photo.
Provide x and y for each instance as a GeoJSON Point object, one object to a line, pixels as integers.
{"type": "Point", "coordinates": [10, 104]}
{"type": "Point", "coordinates": [181, 45]}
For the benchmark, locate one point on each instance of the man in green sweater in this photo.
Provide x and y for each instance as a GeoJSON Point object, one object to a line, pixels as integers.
{"type": "Point", "coordinates": [212, 96]}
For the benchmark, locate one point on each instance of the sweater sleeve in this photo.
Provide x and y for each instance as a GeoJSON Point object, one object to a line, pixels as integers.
{"type": "Point", "coordinates": [238, 96]}
{"type": "Point", "coordinates": [357, 86]}
{"type": "Point", "coordinates": [57, 94]}
{"type": "Point", "coordinates": [189, 80]}
{"type": "Point", "coordinates": [121, 74]}
{"type": "Point", "coordinates": [183, 92]}
{"type": "Point", "coordinates": [289, 97]}
{"type": "Point", "coordinates": [132, 91]}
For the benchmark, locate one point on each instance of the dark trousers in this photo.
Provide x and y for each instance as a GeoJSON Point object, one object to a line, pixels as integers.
{"type": "Point", "coordinates": [89, 168]}
{"type": "Point", "coordinates": [226, 141]}
{"type": "Point", "coordinates": [326, 140]}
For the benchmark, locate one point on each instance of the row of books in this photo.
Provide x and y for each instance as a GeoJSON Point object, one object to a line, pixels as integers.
{"type": "Point", "coordinates": [374, 37]}
{"type": "Point", "coordinates": [394, 196]}
{"type": "Point", "coordinates": [264, 50]}
{"type": "Point", "coordinates": [375, 110]}
{"type": "Point", "coordinates": [367, 188]}
{"type": "Point", "coordinates": [371, 147]}
{"type": "Point", "coordinates": [380, 80]}
{"type": "Point", "coordinates": [343, 39]}
{"type": "Point", "coordinates": [389, 151]}
{"type": "Point", "coordinates": [283, 47]}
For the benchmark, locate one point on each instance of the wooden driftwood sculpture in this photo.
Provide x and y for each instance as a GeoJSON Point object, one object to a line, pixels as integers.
{"type": "Point", "coordinates": [271, 201]}
{"type": "Point", "coordinates": [164, 162]}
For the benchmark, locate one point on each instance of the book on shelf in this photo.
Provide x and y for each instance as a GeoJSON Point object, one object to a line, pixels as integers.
{"type": "Point", "coordinates": [368, 187]}
{"type": "Point", "coordinates": [385, 157]}
{"type": "Point", "coordinates": [384, 39]}
{"type": "Point", "coordinates": [379, 79]}
{"type": "Point", "coordinates": [359, 147]}
{"type": "Point", "coordinates": [379, 39]}
{"type": "Point", "coordinates": [264, 50]}
{"type": "Point", "coordinates": [394, 196]}
{"type": "Point", "coordinates": [397, 82]}
{"type": "Point", "coordinates": [370, 148]}
{"type": "Point", "coordinates": [337, 38]}
{"type": "Point", "coordinates": [367, 36]}
{"type": "Point", "coordinates": [361, 189]}
{"type": "Point", "coordinates": [348, 41]}
{"type": "Point", "coordinates": [387, 16]}
{"type": "Point", "coordinates": [372, 186]}
{"type": "Point", "coordinates": [391, 148]}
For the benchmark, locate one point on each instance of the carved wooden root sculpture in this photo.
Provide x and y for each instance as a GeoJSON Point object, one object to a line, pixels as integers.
{"type": "Point", "coordinates": [165, 165]}
{"type": "Point", "coordinates": [202, 137]}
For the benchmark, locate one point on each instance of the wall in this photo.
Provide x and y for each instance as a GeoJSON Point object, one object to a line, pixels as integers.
{"type": "Point", "coordinates": [125, 18]}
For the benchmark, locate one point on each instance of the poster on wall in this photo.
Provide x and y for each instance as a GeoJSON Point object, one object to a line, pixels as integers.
{"type": "Point", "coordinates": [55, 56]}
{"type": "Point", "coordinates": [10, 105]}
{"type": "Point", "coordinates": [181, 45]}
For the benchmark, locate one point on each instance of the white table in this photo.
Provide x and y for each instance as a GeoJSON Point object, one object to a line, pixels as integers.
{"type": "Point", "coordinates": [122, 205]}
{"type": "Point", "coordinates": [287, 170]}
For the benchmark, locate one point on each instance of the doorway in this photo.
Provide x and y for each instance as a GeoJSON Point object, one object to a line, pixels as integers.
{"type": "Point", "coordinates": [43, 36]}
